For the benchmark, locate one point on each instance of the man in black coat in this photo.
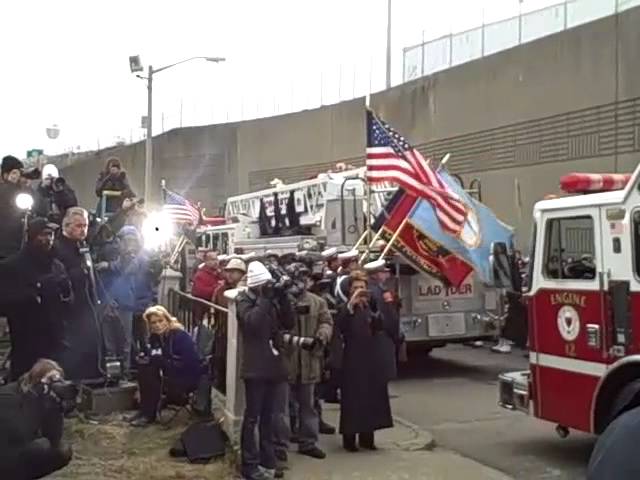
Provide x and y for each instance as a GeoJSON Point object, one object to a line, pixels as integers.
{"type": "Point", "coordinates": [36, 296]}
{"type": "Point", "coordinates": [31, 425]}
{"type": "Point", "coordinates": [81, 357]}
{"type": "Point", "coordinates": [263, 314]}
{"type": "Point", "coordinates": [11, 226]}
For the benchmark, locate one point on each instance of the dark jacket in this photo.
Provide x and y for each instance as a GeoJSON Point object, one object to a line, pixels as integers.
{"type": "Point", "coordinates": [116, 183]}
{"type": "Point", "coordinates": [117, 283]}
{"type": "Point", "coordinates": [261, 320]}
{"type": "Point", "coordinates": [36, 296]}
{"type": "Point", "coordinates": [615, 456]}
{"type": "Point", "coordinates": [11, 226]}
{"type": "Point", "coordinates": [306, 366]}
{"type": "Point", "coordinates": [25, 417]}
{"type": "Point", "coordinates": [53, 204]}
{"type": "Point", "coordinates": [180, 359]}
{"type": "Point", "coordinates": [146, 279]}
{"type": "Point", "coordinates": [364, 403]}
{"type": "Point", "coordinates": [81, 326]}
{"type": "Point", "coordinates": [383, 301]}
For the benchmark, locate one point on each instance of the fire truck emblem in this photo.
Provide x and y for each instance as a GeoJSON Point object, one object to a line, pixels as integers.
{"type": "Point", "coordinates": [568, 323]}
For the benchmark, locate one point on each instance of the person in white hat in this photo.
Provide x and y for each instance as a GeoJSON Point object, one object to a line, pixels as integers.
{"type": "Point", "coordinates": [262, 314]}
{"type": "Point", "coordinates": [348, 261]}
{"type": "Point", "coordinates": [330, 256]}
{"type": "Point", "coordinates": [234, 271]}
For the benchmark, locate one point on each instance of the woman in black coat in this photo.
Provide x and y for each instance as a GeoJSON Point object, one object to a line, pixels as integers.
{"type": "Point", "coordinates": [364, 405]}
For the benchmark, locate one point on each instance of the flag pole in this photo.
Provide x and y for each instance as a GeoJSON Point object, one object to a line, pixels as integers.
{"type": "Point", "coordinates": [395, 237]}
{"type": "Point", "coordinates": [368, 250]}
{"type": "Point", "coordinates": [367, 101]}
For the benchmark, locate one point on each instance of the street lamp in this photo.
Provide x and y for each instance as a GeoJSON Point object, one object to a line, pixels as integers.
{"type": "Point", "coordinates": [136, 66]}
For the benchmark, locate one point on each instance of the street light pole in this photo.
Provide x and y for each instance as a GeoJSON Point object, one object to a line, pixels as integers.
{"type": "Point", "coordinates": [148, 159]}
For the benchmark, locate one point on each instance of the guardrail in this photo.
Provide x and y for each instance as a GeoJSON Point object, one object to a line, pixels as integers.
{"type": "Point", "coordinates": [455, 49]}
{"type": "Point", "coordinates": [194, 312]}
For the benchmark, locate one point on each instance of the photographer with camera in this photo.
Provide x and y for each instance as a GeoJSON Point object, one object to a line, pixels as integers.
{"type": "Point", "coordinates": [53, 196]}
{"type": "Point", "coordinates": [303, 348]}
{"type": "Point", "coordinates": [364, 402]}
{"type": "Point", "coordinates": [36, 296]}
{"type": "Point", "coordinates": [263, 312]}
{"type": "Point", "coordinates": [31, 423]}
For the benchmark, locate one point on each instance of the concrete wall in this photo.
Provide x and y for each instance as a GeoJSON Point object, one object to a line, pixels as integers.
{"type": "Point", "coordinates": [517, 120]}
{"type": "Point", "coordinates": [199, 162]}
{"type": "Point", "coordinates": [299, 145]}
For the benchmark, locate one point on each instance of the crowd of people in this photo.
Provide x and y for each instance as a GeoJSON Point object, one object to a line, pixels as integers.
{"type": "Point", "coordinates": [313, 328]}
{"type": "Point", "coordinates": [80, 291]}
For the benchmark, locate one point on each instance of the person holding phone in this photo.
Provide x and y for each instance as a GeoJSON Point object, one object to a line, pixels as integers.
{"type": "Point", "coordinates": [364, 403]}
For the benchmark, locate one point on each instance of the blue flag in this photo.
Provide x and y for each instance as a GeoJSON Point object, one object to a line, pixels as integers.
{"type": "Point", "coordinates": [481, 229]}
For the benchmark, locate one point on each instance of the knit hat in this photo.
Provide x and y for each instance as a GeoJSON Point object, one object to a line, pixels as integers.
{"type": "Point", "coordinates": [10, 163]}
{"type": "Point", "coordinates": [129, 231]}
{"type": "Point", "coordinates": [236, 264]}
{"type": "Point", "coordinates": [258, 275]}
{"type": "Point", "coordinates": [38, 225]}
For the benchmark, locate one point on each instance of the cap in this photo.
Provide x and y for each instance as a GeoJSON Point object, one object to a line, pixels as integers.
{"type": "Point", "coordinates": [376, 266]}
{"type": "Point", "coordinates": [223, 258]}
{"type": "Point", "coordinates": [271, 253]}
{"type": "Point", "coordinates": [330, 253]}
{"type": "Point", "coordinates": [10, 163]}
{"type": "Point", "coordinates": [257, 275]}
{"type": "Point", "coordinates": [236, 264]}
{"type": "Point", "coordinates": [350, 255]}
{"type": "Point", "coordinates": [38, 225]}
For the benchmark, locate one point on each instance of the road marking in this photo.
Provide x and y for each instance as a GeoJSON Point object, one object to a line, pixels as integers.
{"type": "Point", "coordinates": [594, 369]}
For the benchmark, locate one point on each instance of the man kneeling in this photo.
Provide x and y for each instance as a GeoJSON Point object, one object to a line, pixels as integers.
{"type": "Point", "coordinates": [170, 366]}
{"type": "Point", "coordinates": [31, 422]}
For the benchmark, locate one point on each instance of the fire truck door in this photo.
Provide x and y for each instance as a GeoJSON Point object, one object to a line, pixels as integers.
{"type": "Point", "coordinates": [567, 304]}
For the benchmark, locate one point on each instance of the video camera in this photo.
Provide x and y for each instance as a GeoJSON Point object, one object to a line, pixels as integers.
{"type": "Point", "coordinates": [65, 393]}
{"type": "Point", "coordinates": [32, 174]}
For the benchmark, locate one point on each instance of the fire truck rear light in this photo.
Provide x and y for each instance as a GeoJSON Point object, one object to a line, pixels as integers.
{"type": "Point", "coordinates": [593, 335]}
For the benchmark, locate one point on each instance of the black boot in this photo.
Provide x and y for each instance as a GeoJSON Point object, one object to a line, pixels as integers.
{"type": "Point", "coordinates": [367, 441]}
{"type": "Point", "coordinates": [349, 443]}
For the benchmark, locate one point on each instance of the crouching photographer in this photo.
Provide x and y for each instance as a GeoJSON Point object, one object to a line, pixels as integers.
{"type": "Point", "coordinates": [31, 422]}
{"type": "Point", "coordinates": [263, 312]}
{"type": "Point", "coordinates": [169, 366]}
{"type": "Point", "coordinates": [303, 348]}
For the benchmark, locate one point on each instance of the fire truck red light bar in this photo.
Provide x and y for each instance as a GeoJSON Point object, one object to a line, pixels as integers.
{"type": "Point", "coordinates": [593, 182]}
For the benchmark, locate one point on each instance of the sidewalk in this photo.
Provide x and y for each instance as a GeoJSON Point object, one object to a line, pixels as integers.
{"type": "Point", "coordinates": [404, 452]}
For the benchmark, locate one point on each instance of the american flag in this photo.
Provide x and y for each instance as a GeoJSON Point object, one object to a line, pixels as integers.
{"type": "Point", "coordinates": [390, 158]}
{"type": "Point", "coordinates": [180, 209]}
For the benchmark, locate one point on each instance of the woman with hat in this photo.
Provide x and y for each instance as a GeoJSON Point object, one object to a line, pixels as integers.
{"type": "Point", "coordinates": [364, 402]}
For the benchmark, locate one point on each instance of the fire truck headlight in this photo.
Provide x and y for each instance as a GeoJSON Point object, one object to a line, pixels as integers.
{"type": "Point", "coordinates": [24, 201]}
{"type": "Point", "coordinates": [446, 305]}
{"type": "Point", "coordinates": [157, 230]}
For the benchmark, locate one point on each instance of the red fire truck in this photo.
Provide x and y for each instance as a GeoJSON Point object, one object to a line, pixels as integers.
{"type": "Point", "coordinates": [583, 303]}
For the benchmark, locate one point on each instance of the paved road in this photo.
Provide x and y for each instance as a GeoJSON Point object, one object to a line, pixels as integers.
{"type": "Point", "coordinates": [452, 393]}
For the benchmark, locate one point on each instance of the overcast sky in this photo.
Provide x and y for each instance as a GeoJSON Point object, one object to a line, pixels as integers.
{"type": "Point", "coordinates": [65, 62]}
